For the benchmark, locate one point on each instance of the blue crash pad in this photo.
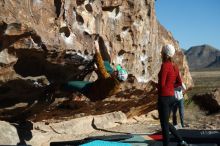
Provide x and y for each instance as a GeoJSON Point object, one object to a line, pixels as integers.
{"type": "Point", "coordinates": [105, 143]}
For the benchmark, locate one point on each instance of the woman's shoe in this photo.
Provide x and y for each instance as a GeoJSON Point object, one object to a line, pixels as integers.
{"type": "Point", "coordinates": [183, 143]}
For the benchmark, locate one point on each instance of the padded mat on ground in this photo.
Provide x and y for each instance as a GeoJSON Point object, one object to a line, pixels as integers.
{"type": "Point", "coordinates": [193, 137]}
{"type": "Point", "coordinates": [200, 136]}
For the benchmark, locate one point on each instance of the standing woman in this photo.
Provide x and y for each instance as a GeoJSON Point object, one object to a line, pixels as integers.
{"type": "Point", "coordinates": [167, 77]}
{"type": "Point", "coordinates": [179, 90]}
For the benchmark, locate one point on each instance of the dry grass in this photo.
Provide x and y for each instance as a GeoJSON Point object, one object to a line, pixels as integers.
{"type": "Point", "coordinates": [205, 81]}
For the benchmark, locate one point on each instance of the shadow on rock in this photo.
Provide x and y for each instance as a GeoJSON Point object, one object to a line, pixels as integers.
{"type": "Point", "coordinates": [21, 98]}
{"type": "Point", "coordinates": [24, 131]}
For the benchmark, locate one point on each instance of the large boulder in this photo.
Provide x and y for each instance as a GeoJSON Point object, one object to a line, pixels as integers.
{"type": "Point", "coordinates": [55, 40]}
{"type": "Point", "coordinates": [8, 134]}
{"type": "Point", "coordinates": [68, 130]}
{"type": "Point", "coordinates": [208, 101]}
{"type": "Point", "coordinates": [65, 30]}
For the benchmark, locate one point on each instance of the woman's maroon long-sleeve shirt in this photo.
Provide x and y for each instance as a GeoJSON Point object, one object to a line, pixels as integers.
{"type": "Point", "coordinates": [168, 78]}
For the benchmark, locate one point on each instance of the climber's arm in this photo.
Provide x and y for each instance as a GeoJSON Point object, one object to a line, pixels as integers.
{"type": "Point", "coordinates": [100, 63]}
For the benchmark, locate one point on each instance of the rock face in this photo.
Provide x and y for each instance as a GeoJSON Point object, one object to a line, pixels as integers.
{"type": "Point", "coordinates": [68, 130]}
{"type": "Point", "coordinates": [8, 135]}
{"type": "Point", "coordinates": [204, 56]}
{"type": "Point", "coordinates": [41, 133]}
{"type": "Point", "coordinates": [43, 42]}
{"type": "Point", "coordinates": [130, 35]}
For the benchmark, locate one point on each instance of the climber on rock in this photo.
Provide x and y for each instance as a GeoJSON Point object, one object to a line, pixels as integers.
{"type": "Point", "coordinates": [108, 81]}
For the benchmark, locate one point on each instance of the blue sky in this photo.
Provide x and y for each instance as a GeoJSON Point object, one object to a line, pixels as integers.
{"type": "Point", "coordinates": [192, 22]}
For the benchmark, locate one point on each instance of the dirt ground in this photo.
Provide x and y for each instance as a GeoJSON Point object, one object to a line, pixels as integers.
{"type": "Point", "coordinates": [194, 119]}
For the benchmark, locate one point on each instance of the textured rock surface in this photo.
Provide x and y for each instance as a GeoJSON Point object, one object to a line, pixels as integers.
{"type": "Point", "coordinates": [43, 133]}
{"type": "Point", "coordinates": [8, 134]}
{"type": "Point", "coordinates": [109, 120]}
{"type": "Point", "coordinates": [130, 32]}
{"type": "Point", "coordinates": [52, 41]}
{"type": "Point", "coordinates": [70, 129]}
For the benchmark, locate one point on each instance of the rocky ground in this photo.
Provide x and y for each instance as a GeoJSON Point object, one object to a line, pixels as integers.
{"type": "Point", "coordinates": [148, 124]}
{"type": "Point", "coordinates": [44, 132]}
{"type": "Point", "coordinates": [74, 117]}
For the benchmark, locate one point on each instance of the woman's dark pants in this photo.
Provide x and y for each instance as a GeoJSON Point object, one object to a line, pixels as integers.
{"type": "Point", "coordinates": [165, 104]}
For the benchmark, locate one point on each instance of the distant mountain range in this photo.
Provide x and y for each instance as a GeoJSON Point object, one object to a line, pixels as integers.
{"type": "Point", "coordinates": [204, 56]}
